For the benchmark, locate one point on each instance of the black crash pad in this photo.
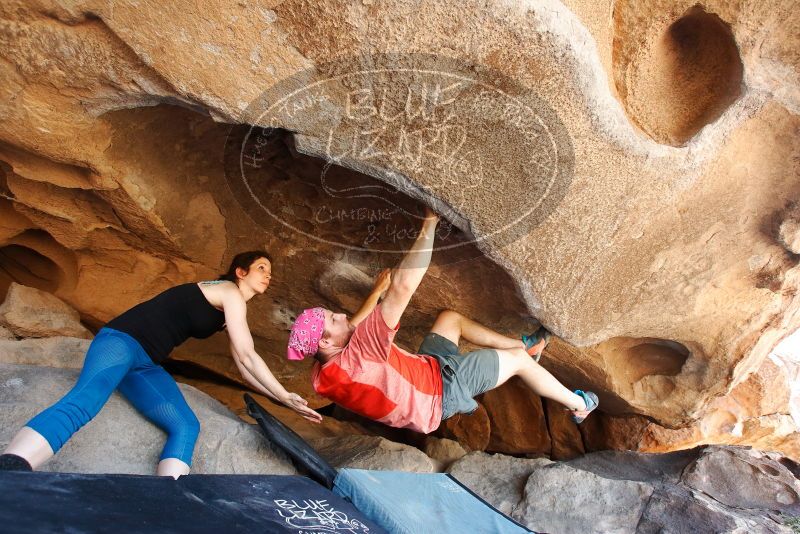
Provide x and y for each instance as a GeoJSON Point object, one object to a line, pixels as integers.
{"type": "Point", "coordinates": [77, 503]}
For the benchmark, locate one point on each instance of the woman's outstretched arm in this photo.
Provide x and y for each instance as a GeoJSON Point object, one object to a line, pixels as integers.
{"type": "Point", "coordinates": [250, 364]}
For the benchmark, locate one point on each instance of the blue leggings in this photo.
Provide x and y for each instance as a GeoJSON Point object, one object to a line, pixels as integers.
{"type": "Point", "coordinates": [116, 360]}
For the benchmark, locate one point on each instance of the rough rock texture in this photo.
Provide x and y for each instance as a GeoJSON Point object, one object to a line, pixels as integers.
{"type": "Point", "coordinates": [622, 492]}
{"type": "Point", "coordinates": [577, 501]}
{"type": "Point", "coordinates": [518, 421]}
{"type": "Point", "coordinates": [567, 442]}
{"type": "Point", "coordinates": [675, 81]}
{"type": "Point", "coordinates": [762, 412]}
{"type": "Point", "coordinates": [443, 452]}
{"type": "Point", "coordinates": [473, 430]}
{"type": "Point", "coordinates": [745, 479]}
{"type": "Point", "coordinates": [31, 312]}
{"type": "Point", "coordinates": [372, 452]}
{"type": "Point", "coordinates": [61, 352]}
{"type": "Point", "coordinates": [499, 479]}
{"type": "Point", "coordinates": [668, 267]}
{"type": "Point", "coordinates": [120, 440]}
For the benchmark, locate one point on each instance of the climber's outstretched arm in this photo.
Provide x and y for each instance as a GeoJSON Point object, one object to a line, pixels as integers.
{"type": "Point", "coordinates": [409, 273]}
{"type": "Point", "coordinates": [381, 285]}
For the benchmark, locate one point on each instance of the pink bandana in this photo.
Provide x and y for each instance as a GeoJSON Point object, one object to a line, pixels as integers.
{"type": "Point", "coordinates": [306, 333]}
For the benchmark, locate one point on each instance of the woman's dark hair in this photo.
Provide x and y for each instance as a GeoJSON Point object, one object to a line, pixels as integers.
{"type": "Point", "coordinates": [243, 260]}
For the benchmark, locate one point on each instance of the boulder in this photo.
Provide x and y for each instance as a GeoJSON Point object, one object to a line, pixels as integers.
{"type": "Point", "coordinates": [58, 351]}
{"type": "Point", "coordinates": [517, 419]}
{"type": "Point", "coordinates": [372, 452]}
{"type": "Point", "coordinates": [745, 478]}
{"type": "Point", "coordinates": [472, 431]}
{"type": "Point", "coordinates": [641, 467]}
{"type": "Point", "coordinates": [677, 511]}
{"type": "Point", "coordinates": [602, 431]}
{"type": "Point", "coordinates": [120, 440]}
{"type": "Point", "coordinates": [443, 452]}
{"type": "Point", "coordinates": [622, 492]}
{"type": "Point", "coordinates": [566, 439]}
{"type": "Point", "coordinates": [760, 412]}
{"type": "Point", "coordinates": [498, 479]}
{"type": "Point", "coordinates": [678, 508]}
{"type": "Point", "coordinates": [560, 498]}
{"type": "Point", "coordinates": [359, 424]}
{"type": "Point", "coordinates": [344, 285]}
{"type": "Point", "coordinates": [231, 396]}
{"type": "Point", "coordinates": [31, 312]}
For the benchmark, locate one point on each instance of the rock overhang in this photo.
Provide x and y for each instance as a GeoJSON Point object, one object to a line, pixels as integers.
{"type": "Point", "coordinates": [651, 246]}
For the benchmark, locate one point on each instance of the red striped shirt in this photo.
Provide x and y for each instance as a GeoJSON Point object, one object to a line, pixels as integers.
{"type": "Point", "coordinates": [377, 379]}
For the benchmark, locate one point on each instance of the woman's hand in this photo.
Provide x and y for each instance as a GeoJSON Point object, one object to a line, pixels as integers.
{"type": "Point", "coordinates": [300, 405]}
{"type": "Point", "coordinates": [382, 281]}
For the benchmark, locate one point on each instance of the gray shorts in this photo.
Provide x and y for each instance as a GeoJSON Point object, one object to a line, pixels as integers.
{"type": "Point", "coordinates": [464, 376]}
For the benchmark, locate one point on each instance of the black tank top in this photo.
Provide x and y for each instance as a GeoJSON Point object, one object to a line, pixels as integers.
{"type": "Point", "coordinates": [170, 318]}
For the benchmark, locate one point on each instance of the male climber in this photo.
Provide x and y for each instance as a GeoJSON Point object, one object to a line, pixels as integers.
{"type": "Point", "coordinates": [361, 369]}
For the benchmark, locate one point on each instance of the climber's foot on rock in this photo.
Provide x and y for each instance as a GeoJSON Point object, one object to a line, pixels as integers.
{"type": "Point", "coordinates": [536, 342]}
{"type": "Point", "coordinates": [592, 402]}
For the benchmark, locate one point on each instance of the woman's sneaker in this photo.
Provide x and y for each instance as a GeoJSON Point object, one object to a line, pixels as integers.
{"type": "Point", "coordinates": [12, 462]}
{"type": "Point", "coordinates": [536, 342]}
{"type": "Point", "coordinates": [592, 402]}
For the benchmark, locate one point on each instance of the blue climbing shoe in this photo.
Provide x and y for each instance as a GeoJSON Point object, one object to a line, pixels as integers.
{"type": "Point", "coordinates": [592, 402]}
{"type": "Point", "coordinates": [533, 342]}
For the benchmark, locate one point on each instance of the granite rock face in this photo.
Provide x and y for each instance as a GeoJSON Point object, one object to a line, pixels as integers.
{"type": "Point", "coordinates": [60, 352]}
{"type": "Point", "coordinates": [664, 256]}
{"type": "Point", "coordinates": [443, 452]}
{"type": "Point", "coordinates": [745, 479]}
{"type": "Point", "coordinates": [761, 412]}
{"type": "Point", "coordinates": [625, 492]}
{"type": "Point", "coordinates": [497, 478]}
{"type": "Point", "coordinates": [372, 452]}
{"type": "Point", "coordinates": [30, 312]}
{"type": "Point", "coordinates": [577, 501]}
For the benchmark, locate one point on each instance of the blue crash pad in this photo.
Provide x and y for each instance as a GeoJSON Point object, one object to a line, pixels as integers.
{"type": "Point", "coordinates": [412, 503]}
{"type": "Point", "coordinates": [78, 503]}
